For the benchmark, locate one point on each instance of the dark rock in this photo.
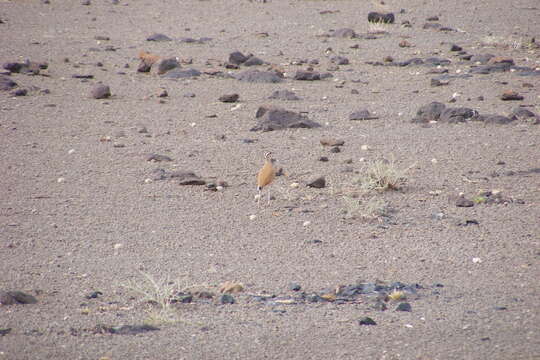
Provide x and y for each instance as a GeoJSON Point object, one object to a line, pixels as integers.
{"type": "Point", "coordinates": [130, 329]}
{"type": "Point", "coordinates": [158, 158]}
{"type": "Point", "coordinates": [339, 60]}
{"type": "Point", "coordinates": [435, 61]}
{"type": "Point", "coordinates": [16, 297]}
{"type": "Point", "coordinates": [4, 331]}
{"type": "Point", "coordinates": [256, 76]}
{"type": "Point", "coordinates": [462, 202]}
{"type": "Point", "coordinates": [295, 287]}
{"type": "Point", "coordinates": [284, 95]}
{"type": "Point", "coordinates": [307, 75]}
{"type": "Point", "coordinates": [275, 118]}
{"type": "Point", "coordinates": [317, 183]}
{"type": "Point", "coordinates": [253, 61]}
{"type": "Point", "coordinates": [377, 17]}
{"type": "Point", "coordinates": [94, 295]}
{"type": "Point", "coordinates": [19, 92]}
{"type": "Point", "coordinates": [524, 115]}
{"type": "Point", "coordinates": [144, 67]}
{"type": "Point", "coordinates": [496, 119]}
{"type": "Point", "coordinates": [237, 58]}
{"type": "Point", "coordinates": [85, 2]}
{"type": "Point", "coordinates": [488, 69]}
{"type": "Point", "coordinates": [323, 159]}
{"type": "Point", "coordinates": [226, 299]}
{"type": "Point", "coordinates": [164, 65]}
{"type": "Point", "coordinates": [82, 76]}
{"type": "Point", "coordinates": [366, 321]}
{"type": "Point", "coordinates": [158, 37]}
{"type": "Point", "coordinates": [100, 91]}
{"type": "Point", "coordinates": [343, 33]}
{"type": "Point", "coordinates": [432, 26]}
{"type": "Point", "coordinates": [404, 306]}
{"type": "Point", "coordinates": [482, 58]}
{"type": "Point", "coordinates": [184, 298]}
{"type": "Point", "coordinates": [362, 115]}
{"type": "Point", "coordinates": [436, 82]}
{"type": "Point", "coordinates": [467, 222]}
{"type": "Point", "coordinates": [455, 47]}
{"type": "Point", "coordinates": [335, 149]}
{"type": "Point", "coordinates": [6, 83]}
{"type": "Point", "coordinates": [229, 98]}
{"type": "Point", "coordinates": [456, 115]}
{"type": "Point", "coordinates": [433, 18]}
{"type": "Point", "coordinates": [511, 95]}
{"type": "Point", "coordinates": [186, 178]}
{"type": "Point", "coordinates": [181, 74]}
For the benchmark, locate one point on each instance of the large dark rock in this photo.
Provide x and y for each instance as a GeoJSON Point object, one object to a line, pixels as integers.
{"type": "Point", "coordinates": [283, 95]}
{"type": "Point", "coordinates": [456, 115]}
{"type": "Point", "coordinates": [275, 118]}
{"type": "Point", "coordinates": [307, 75]}
{"type": "Point", "coordinates": [253, 61]}
{"type": "Point", "coordinates": [429, 112]}
{"type": "Point", "coordinates": [256, 76]}
{"type": "Point", "coordinates": [237, 58]}
{"type": "Point", "coordinates": [164, 65]}
{"type": "Point", "coordinates": [181, 74]}
{"type": "Point", "coordinates": [6, 83]}
{"type": "Point", "coordinates": [524, 115]}
{"type": "Point", "coordinates": [158, 37]}
{"type": "Point", "coordinates": [362, 115]}
{"type": "Point", "coordinates": [16, 297]}
{"type": "Point", "coordinates": [100, 91]}
{"type": "Point", "coordinates": [343, 33]}
{"type": "Point", "coordinates": [377, 17]}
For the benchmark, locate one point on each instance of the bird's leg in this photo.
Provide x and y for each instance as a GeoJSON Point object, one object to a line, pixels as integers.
{"type": "Point", "coordinates": [268, 196]}
{"type": "Point", "coordinates": [259, 198]}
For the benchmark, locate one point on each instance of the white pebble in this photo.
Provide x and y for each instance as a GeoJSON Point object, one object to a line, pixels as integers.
{"type": "Point", "coordinates": [71, 151]}
{"type": "Point", "coordinates": [364, 147]}
{"type": "Point", "coordinates": [434, 161]}
{"type": "Point", "coordinates": [362, 159]}
{"type": "Point", "coordinates": [219, 188]}
{"type": "Point", "coordinates": [147, 181]}
{"type": "Point", "coordinates": [61, 180]}
{"type": "Point", "coordinates": [257, 196]}
{"type": "Point", "coordinates": [408, 326]}
{"type": "Point", "coordinates": [476, 260]}
{"type": "Point", "coordinates": [118, 246]}
{"type": "Point", "coordinates": [295, 185]}
{"type": "Point", "coordinates": [252, 217]}
{"type": "Point", "coordinates": [306, 223]}
{"type": "Point", "coordinates": [236, 107]}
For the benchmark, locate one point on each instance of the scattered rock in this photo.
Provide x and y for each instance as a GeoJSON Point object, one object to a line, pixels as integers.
{"type": "Point", "coordinates": [343, 33]}
{"type": "Point", "coordinates": [187, 178]}
{"type": "Point", "coordinates": [456, 115]}
{"type": "Point", "coordinates": [387, 18]}
{"type": "Point", "coordinates": [158, 158]}
{"type": "Point", "coordinates": [524, 115]}
{"type": "Point", "coordinates": [317, 183]}
{"type": "Point", "coordinates": [455, 47]}
{"type": "Point", "coordinates": [493, 119]}
{"type": "Point", "coordinates": [4, 331]}
{"type": "Point", "coordinates": [335, 149]}
{"type": "Point", "coordinates": [275, 118]}
{"type": "Point", "coordinates": [294, 286]}
{"type": "Point", "coordinates": [462, 202]}
{"type": "Point", "coordinates": [332, 142]}
{"type": "Point", "coordinates": [19, 92]}
{"type": "Point", "coordinates": [237, 58]}
{"type": "Point", "coordinates": [362, 115]}
{"type": "Point", "coordinates": [367, 321]}
{"type": "Point", "coordinates": [6, 83]}
{"type": "Point", "coordinates": [429, 112]}
{"type": "Point", "coordinates": [257, 76]}
{"type": "Point", "coordinates": [164, 65]}
{"type": "Point", "coordinates": [94, 295]}
{"type": "Point", "coordinates": [253, 61]}
{"type": "Point", "coordinates": [307, 75]}
{"type": "Point", "coordinates": [500, 60]}
{"type": "Point", "coordinates": [181, 74]}
{"type": "Point", "coordinates": [229, 98]}
{"type": "Point", "coordinates": [158, 37]}
{"type": "Point", "coordinates": [339, 60]}
{"type": "Point", "coordinates": [511, 95]}
{"type": "Point", "coordinates": [226, 299]}
{"type": "Point", "coordinates": [404, 44]}
{"type": "Point", "coordinates": [16, 297]}
{"type": "Point", "coordinates": [100, 91]}
{"type": "Point", "coordinates": [129, 329]}
{"type": "Point", "coordinates": [404, 306]}
{"type": "Point", "coordinates": [284, 95]}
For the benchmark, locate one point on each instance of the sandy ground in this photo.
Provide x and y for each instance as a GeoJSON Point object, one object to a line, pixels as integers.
{"type": "Point", "coordinates": [102, 226]}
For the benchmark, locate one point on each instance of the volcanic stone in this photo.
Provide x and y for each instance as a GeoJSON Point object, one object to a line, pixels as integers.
{"type": "Point", "coordinates": [100, 91]}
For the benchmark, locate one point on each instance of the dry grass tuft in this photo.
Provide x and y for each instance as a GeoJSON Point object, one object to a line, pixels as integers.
{"type": "Point", "coordinates": [159, 295]}
{"type": "Point", "coordinates": [371, 208]}
{"type": "Point", "coordinates": [382, 175]}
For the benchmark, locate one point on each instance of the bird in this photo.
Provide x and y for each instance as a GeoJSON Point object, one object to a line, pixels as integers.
{"type": "Point", "coordinates": [266, 175]}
